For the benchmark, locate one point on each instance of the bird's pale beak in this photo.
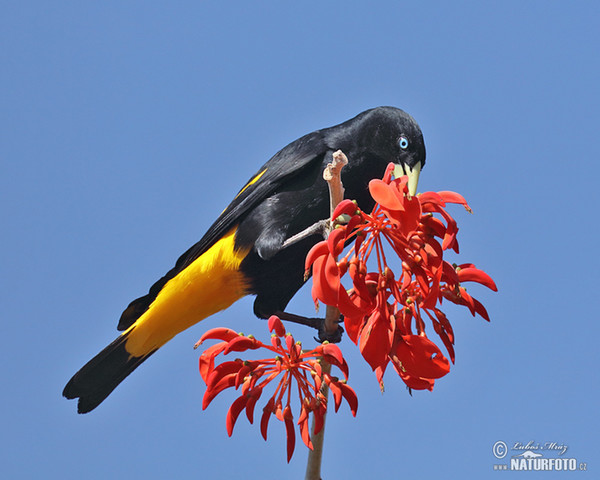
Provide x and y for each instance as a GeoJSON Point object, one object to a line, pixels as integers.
{"type": "Point", "coordinates": [412, 174]}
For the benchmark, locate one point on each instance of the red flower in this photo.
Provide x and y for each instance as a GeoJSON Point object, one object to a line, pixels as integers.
{"type": "Point", "coordinates": [291, 364]}
{"type": "Point", "coordinates": [383, 313]}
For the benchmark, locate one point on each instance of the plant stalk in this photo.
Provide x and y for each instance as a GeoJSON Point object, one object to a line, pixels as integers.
{"type": "Point", "coordinates": [332, 175]}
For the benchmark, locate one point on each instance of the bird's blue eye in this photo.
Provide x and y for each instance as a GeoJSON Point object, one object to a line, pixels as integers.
{"type": "Point", "coordinates": [403, 143]}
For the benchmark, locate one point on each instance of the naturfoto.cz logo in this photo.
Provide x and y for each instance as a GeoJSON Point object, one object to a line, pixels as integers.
{"type": "Point", "coordinates": [529, 457]}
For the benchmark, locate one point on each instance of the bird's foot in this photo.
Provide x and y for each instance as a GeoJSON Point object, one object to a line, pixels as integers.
{"type": "Point", "coordinates": [316, 323]}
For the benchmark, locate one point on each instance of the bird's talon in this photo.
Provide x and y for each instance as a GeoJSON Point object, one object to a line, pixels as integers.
{"type": "Point", "coordinates": [331, 337]}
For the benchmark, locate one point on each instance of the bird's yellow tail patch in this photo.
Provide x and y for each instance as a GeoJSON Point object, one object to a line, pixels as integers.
{"type": "Point", "coordinates": [209, 284]}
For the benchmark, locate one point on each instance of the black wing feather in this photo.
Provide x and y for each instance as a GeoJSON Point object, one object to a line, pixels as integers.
{"type": "Point", "coordinates": [280, 169]}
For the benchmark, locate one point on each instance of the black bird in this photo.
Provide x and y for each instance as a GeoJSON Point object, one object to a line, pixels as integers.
{"type": "Point", "coordinates": [242, 253]}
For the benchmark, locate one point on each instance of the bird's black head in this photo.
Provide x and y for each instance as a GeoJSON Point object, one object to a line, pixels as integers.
{"type": "Point", "coordinates": [390, 135]}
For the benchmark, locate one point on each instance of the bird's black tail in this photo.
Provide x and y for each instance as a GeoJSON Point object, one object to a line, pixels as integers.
{"type": "Point", "coordinates": [101, 375]}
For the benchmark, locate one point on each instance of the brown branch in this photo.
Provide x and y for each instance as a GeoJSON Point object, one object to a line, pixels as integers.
{"type": "Point", "coordinates": [333, 176]}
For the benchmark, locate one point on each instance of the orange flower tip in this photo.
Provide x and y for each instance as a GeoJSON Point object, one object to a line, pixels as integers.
{"type": "Point", "coordinates": [326, 342]}
{"type": "Point", "coordinates": [251, 336]}
{"type": "Point", "coordinates": [298, 342]}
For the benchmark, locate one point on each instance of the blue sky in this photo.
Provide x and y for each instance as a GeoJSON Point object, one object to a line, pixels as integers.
{"type": "Point", "coordinates": [127, 127]}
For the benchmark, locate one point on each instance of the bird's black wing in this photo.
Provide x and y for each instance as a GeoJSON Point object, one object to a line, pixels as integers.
{"type": "Point", "coordinates": [283, 167]}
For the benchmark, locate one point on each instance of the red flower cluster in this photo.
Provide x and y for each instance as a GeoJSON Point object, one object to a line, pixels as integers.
{"type": "Point", "coordinates": [383, 312]}
{"type": "Point", "coordinates": [291, 364]}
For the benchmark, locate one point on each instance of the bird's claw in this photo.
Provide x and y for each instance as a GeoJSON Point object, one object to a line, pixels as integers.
{"type": "Point", "coordinates": [331, 337]}
{"type": "Point", "coordinates": [316, 323]}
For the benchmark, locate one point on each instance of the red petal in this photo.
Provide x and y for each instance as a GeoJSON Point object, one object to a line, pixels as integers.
{"type": "Point", "coordinates": [325, 284]}
{"type": "Point", "coordinates": [386, 195]}
{"type": "Point", "coordinates": [431, 197]}
{"type": "Point", "coordinates": [417, 383]}
{"type": "Point", "coordinates": [234, 412]}
{"type": "Point", "coordinates": [375, 340]}
{"type": "Point", "coordinates": [476, 275]}
{"type": "Point", "coordinates": [266, 416]}
{"type": "Point", "coordinates": [421, 277]}
{"type": "Point", "coordinates": [345, 207]}
{"type": "Point", "coordinates": [206, 362]}
{"type": "Point", "coordinates": [243, 373]}
{"type": "Point", "coordinates": [411, 217]}
{"type": "Point", "coordinates": [220, 371]}
{"type": "Point", "coordinates": [447, 326]}
{"type": "Point", "coordinates": [387, 176]}
{"type": "Point", "coordinates": [480, 309]}
{"type": "Point", "coordinates": [466, 299]}
{"type": "Point", "coordinates": [220, 333]}
{"type": "Point", "coordinates": [332, 350]}
{"type": "Point", "coordinates": [335, 241]}
{"type": "Point", "coordinates": [453, 197]}
{"type": "Point", "coordinates": [315, 252]}
{"type": "Point", "coordinates": [433, 226]}
{"type": "Point", "coordinates": [449, 240]}
{"type": "Point", "coordinates": [354, 304]}
{"type": "Point", "coordinates": [432, 298]}
{"type": "Point", "coordinates": [289, 342]}
{"type": "Point", "coordinates": [379, 372]}
{"type": "Point", "coordinates": [444, 336]}
{"type": "Point", "coordinates": [252, 399]}
{"type": "Point", "coordinates": [275, 341]}
{"type": "Point", "coordinates": [304, 427]}
{"type": "Point", "coordinates": [449, 274]}
{"type": "Point", "coordinates": [350, 396]}
{"type": "Point", "coordinates": [351, 225]}
{"type": "Point", "coordinates": [210, 394]}
{"type": "Point", "coordinates": [276, 324]}
{"type": "Point", "coordinates": [290, 432]}
{"type": "Point", "coordinates": [241, 344]}
{"type": "Point", "coordinates": [316, 366]}
{"type": "Point", "coordinates": [337, 393]}
{"type": "Point", "coordinates": [319, 419]}
{"type": "Point", "coordinates": [353, 325]}
{"type": "Point", "coordinates": [421, 357]}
